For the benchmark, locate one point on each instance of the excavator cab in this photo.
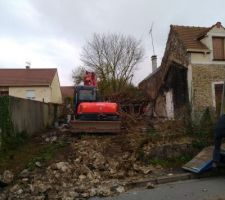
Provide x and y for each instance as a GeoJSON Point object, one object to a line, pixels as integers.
{"type": "Point", "coordinates": [84, 94]}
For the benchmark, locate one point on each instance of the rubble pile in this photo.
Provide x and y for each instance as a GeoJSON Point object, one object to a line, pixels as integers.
{"type": "Point", "coordinates": [170, 127]}
{"type": "Point", "coordinates": [95, 165]}
{"type": "Point", "coordinates": [128, 121]}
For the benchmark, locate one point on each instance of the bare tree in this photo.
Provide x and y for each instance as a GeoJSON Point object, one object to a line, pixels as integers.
{"type": "Point", "coordinates": [78, 75]}
{"type": "Point", "coordinates": [113, 57]}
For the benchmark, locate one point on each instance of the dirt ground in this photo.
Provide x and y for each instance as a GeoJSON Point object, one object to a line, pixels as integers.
{"type": "Point", "coordinates": [59, 164]}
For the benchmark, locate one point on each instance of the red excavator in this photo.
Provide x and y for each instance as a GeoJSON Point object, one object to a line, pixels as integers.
{"type": "Point", "coordinates": [92, 115]}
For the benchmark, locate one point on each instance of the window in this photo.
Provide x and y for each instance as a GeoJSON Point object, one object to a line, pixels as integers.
{"type": "Point", "coordinates": [4, 93]}
{"type": "Point", "coordinates": [30, 94]}
{"type": "Point", "coordinates": [218, 48]}
{"type": "Point", "coordinates": [87, 95]}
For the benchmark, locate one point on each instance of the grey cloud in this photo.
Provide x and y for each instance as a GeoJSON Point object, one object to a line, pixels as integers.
{"type": "Point", "coordinates": [74, 21]}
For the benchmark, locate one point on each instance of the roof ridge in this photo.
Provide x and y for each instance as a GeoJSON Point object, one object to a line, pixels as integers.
{"type": "Point", "coordinates": [185, 26]}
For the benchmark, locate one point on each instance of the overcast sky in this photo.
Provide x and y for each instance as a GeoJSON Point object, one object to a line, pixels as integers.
{"type": "Point", "coordinates": [51, 33]}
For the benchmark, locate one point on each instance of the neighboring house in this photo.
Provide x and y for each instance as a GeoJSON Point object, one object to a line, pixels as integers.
{"type": "Point", "coordinates": [35, 84]}
{"type": "Point", "coordinates": [67, 93]}
{"type": "Point", "coordinates": [191, 73]}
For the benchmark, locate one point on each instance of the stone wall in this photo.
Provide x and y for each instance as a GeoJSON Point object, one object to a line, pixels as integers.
{"type": "Point", "coordinates": [160, 106]}
{"type": "Point", "coordinates": [202, 91]}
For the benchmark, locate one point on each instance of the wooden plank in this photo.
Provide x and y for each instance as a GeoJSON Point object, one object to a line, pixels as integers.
{"type": "Point", "coordinates": [203, 161]}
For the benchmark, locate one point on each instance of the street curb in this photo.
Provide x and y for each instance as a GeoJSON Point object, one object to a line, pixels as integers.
{"type": "Point", "coordinates": [167, 179]}
{"type": "Point", "coordinates": [173, 178]}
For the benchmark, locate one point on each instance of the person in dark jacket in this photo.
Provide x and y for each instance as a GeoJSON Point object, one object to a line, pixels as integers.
{"type": "Point", "coordinates": [219, 134]}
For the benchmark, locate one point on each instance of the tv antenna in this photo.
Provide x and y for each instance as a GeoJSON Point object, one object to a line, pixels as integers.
{"type": "Point", "coordinates": [150, 32]}
{"type": "Point", "coordinates": [27, 64]}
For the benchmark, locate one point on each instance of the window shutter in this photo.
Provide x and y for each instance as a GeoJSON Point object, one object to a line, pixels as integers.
{"type": "Point", "coordinates": [218, 48]}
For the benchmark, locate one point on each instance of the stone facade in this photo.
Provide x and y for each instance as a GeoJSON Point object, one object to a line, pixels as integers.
{"type": "Point", "coordinates": [203, 94]}
{"type": "Point", "coordinates": [160, 106]}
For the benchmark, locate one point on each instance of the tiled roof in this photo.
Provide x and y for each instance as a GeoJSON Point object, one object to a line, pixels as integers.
{"type": "Point", "coordinates": [27, 77]}
{"type": "Point", "coordinates": [189, 35]}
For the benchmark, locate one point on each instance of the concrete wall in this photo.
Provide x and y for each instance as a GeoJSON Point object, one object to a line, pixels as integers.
{"type": "Point", "coordinates": [32, 116]}
{"type": "Point", "coordinates": [203, 79]}
{"type": "Point", "coordinates": [41, 93]}
{"type": "Point", "coordinates": [56, 95]}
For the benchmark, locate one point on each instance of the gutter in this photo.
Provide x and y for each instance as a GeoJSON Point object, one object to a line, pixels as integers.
{"type": "Point", "coordinates": [205, 51]}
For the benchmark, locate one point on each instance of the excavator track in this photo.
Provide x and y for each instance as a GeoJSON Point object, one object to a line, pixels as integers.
{"type": "Point", "coordinates": [80, 126]}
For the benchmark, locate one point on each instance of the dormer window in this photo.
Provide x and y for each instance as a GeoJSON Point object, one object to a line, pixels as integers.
{"type": "Point", "coordinates": [218, 48]}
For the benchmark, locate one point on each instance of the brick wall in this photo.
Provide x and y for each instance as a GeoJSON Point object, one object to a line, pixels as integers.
{"type": "Point", "coordinates": [202, 93]}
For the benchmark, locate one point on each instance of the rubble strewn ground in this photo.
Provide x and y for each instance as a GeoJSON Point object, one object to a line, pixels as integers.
{"type": "Point", "coordinates": [98, 165]}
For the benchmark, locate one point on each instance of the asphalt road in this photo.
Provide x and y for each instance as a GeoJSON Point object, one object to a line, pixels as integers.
{"type": "Point", "coordinates": [200, 189]}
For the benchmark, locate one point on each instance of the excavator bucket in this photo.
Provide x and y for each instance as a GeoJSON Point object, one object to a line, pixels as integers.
{"type": "Point", "coordinates": [79, 126]}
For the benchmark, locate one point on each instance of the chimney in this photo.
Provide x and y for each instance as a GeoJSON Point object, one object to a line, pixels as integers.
{"type": "Point", "coordinates": [154, 63]}
{"type": "Point", "coordinates": [27, 65]}
{"type": "Point", "coordinates": [218, 24]}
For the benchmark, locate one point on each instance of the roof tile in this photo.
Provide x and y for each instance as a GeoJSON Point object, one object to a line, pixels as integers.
{"type": "Point", "coordinates": [27, 77]}
{"type": "Point", "coordinates": [189, 35]}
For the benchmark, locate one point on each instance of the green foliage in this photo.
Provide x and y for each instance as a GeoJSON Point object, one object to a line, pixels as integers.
{"type": "Point", "coordinates": [200, 144]}
{"type": "Point", "coordinates": [6, 126]}
{"type": "Point", "coordinates": [125, 92]}
{"type": "Point", "coordinates": [10, 146]}
{"type": "Point", "coordinates": [15, 141]}
{"type": "Point", "coordinates": [150, 136]}
{"type": "Point", "coordinates": [141, 155]}
{"type": "Point", "coordinates": [46, 154]}
{"type": "Point", "coordinates": [206, 121]}
{"type": "Point", "coordinates": [202, 130]}
{"type": "Point", "coordinates": [168, 162]}
{"type": "Point", "coordinates": [5, 117]}
{"type": "Point", "coordinates": [160, 162]}
{"type": "Point", "coordinates": [9, 139]}
{"type": "Point", "coordinates": [171, 162]}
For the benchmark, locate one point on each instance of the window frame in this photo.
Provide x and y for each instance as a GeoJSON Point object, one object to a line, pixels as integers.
{"type": "Point", "coordinates": [31, 97]}
{"type": "Point", "coordinates": [218, 59]}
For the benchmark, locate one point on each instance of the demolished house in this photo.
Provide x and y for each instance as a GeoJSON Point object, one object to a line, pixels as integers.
{"type": "Point", "coordinates": [191, 74]}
